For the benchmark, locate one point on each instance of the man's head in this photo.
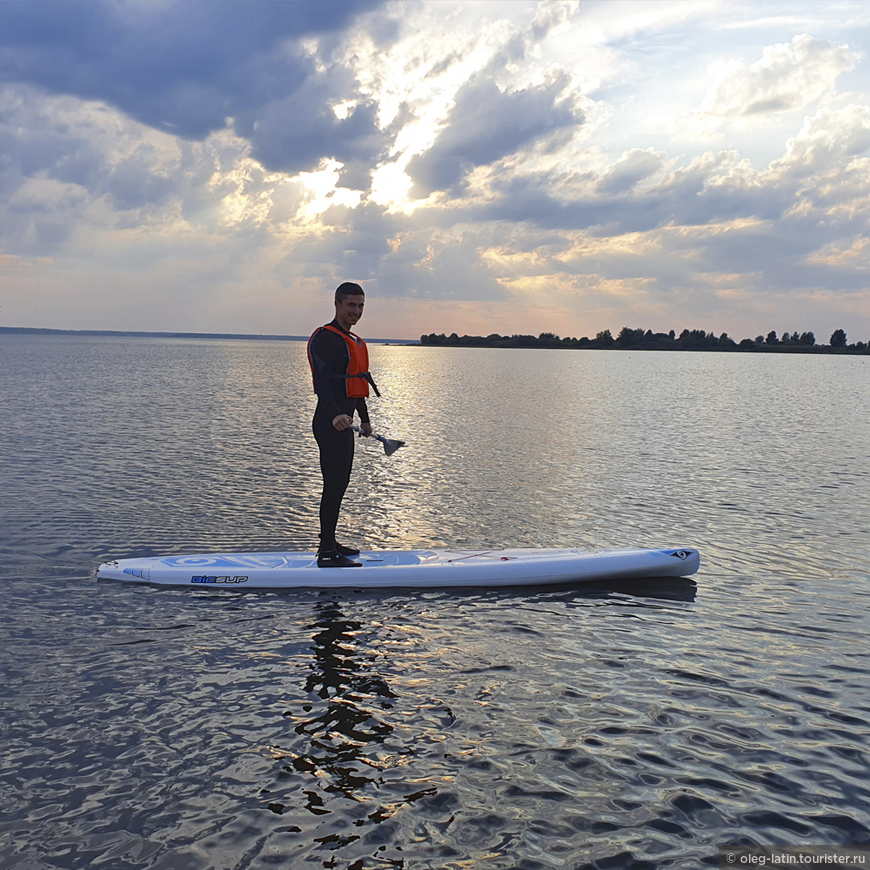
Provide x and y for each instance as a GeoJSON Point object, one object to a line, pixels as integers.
{"type": "Point", "coordinates": [349, 302]}
{"type": "Point", "coordinates": [348, 289]}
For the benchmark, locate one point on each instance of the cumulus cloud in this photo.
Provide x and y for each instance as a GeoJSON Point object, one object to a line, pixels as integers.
{"type": "Point", "coordinates": [69, 166]}
{"type": "Point", "coordinates": [714, 234]}
{"type": "Point", "coordinates": [787, 77]}
{"type": "Point", "coordinates": [711, 187]}
{"type": "Point", "coordinates": [487, 124]}
{"type": "Point", "coordinates": [187, 67]}
{"type": "Point", "coordinates": [826, 143]}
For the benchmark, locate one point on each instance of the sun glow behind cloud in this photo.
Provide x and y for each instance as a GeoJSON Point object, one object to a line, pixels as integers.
{"type": "Point", "coordinates": [421, 77]}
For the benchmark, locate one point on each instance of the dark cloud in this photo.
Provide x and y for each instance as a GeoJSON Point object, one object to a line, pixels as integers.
{"type": "Point", "coordinates": [185, 67]}
{"type": "Point", "coordinates": [295, 133]}
{"type": "Point", "coordinates": [487, 124]}
{"type": "Point", "coordinates": [356, 175]}
{"type": "Point", "coordinates": [131, 185]}
{"type": "Point", "coordinates": [700, 193]}
{"type": "Point", "coordinates": [632, 168]}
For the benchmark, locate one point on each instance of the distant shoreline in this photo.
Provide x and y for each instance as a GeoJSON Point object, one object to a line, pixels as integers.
{"type": "Point", "coordinates": [636, 339]}
{"type": "Point", "coordinates": [112, 333]}
{"type": "Point", "coordinates": [693, 341]}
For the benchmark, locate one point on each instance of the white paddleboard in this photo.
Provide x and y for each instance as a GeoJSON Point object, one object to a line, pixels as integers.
{"type": "Point", "coordinates": [421, 569]}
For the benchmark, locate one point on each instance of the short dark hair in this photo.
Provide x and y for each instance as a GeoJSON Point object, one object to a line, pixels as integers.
{"type": "Point", "coordinates": [348, 289]}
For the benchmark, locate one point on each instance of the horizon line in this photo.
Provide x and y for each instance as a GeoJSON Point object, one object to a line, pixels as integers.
{"type": "Point", "coordinates": [137, 333]}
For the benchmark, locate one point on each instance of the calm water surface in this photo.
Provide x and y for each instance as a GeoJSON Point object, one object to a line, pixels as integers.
{"type": "Point", "coordinates": [625, 726]}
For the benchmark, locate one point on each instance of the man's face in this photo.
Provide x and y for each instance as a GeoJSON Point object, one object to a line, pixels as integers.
{"type": "Point", "coordinates": [349, 311]}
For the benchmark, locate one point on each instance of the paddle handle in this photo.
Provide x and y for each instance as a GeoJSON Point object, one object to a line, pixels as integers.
{"type": "Point", "coordinates": [373, 435]}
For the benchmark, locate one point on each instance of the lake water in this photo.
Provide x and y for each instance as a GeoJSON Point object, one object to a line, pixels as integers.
{"type": "Point", "coordinates": [625, 726]}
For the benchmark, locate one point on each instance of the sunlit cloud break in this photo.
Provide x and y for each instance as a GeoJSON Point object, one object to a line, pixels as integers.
{"type": "Point", "coordinates": [478, 167]}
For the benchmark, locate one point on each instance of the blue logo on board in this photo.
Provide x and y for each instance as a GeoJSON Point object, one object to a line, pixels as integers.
{"type": "Point", "coordinates": [223, 560]}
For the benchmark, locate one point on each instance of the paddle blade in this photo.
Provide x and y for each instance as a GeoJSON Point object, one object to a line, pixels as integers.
{"type": "Point", "coordinates": [391, 446]}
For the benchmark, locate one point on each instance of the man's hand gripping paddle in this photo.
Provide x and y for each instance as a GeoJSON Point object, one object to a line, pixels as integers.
{"type": "Point", "coordinates": [390, 446]}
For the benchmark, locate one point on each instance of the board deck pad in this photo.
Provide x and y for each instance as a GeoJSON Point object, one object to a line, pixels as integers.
{"type": "Point", "coordinates": [404, 568]}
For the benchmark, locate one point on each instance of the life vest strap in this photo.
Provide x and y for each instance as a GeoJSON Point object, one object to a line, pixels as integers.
{"type": "Point", "coordinates": [366, 376]}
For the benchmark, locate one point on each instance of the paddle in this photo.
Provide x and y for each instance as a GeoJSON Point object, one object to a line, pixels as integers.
{"type": "Point", "coordinates": [390, 446]}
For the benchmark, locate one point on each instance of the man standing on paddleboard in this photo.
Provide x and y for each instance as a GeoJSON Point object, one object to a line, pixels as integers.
{"type": "Point", "coordinates": [339, 363]}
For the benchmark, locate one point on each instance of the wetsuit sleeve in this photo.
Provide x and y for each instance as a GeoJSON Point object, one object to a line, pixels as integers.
{"type": "Point", "coordinates": [363, 411]}
{"type": "Point", "coordinates": [322, 366]}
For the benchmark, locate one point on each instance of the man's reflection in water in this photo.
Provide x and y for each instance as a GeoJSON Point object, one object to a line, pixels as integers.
{"type": "Point", "coordinates": [351, 718]}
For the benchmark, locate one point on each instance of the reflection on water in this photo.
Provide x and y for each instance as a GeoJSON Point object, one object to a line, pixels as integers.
{"type": "Point", "coordinates": [640, 591]}
{"type": "Point", "coordinates": [350, 714]}
{"type": "Point", "coordinates": [624, 725]}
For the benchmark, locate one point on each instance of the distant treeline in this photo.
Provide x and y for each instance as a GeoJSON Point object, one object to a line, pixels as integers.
{"type": "Point", "coordinates": [646, 339]}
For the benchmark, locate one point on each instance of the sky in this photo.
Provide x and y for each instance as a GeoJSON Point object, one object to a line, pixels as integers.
{"type": "Point", "coordinates": [478, 166]}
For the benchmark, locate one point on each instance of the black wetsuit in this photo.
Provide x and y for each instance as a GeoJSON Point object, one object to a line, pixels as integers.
{"type": "Point", "coordinates": [330, 357]}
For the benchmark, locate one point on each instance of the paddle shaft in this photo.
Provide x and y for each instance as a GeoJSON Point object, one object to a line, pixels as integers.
{"type": "Point", "coordinates": [373, 435]}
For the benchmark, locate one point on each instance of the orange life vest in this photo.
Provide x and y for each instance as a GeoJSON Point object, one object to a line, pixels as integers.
{"type": "Point", "coordinates": [358, 376]}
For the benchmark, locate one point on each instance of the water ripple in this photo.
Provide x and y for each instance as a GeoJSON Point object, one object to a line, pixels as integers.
{"type": "Point", "coordinates": [635, 725]}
